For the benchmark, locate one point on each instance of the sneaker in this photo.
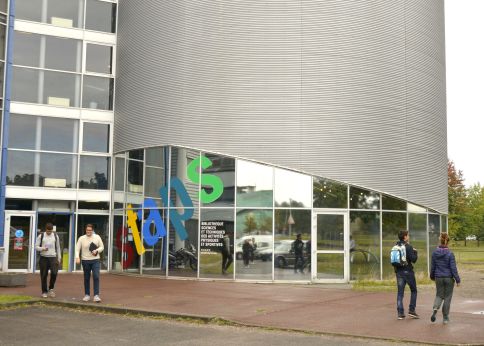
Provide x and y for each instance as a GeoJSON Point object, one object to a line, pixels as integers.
{"type": "Point", "coordinates": [51, 293]}
{"type": "Point", "coordinates": [401, 316]}
{"type": "Point", "coordinates": [446, 320]}
{"type": "Point", "coordinates": [44, 295]}
{"type": "Point", "coordinates": [86, 298]}
{"type": "Point", "coordinates": [413, 314]}
{"type": "Point", "coordinates": [97, 299]}
{"type": "Point", "coordinates": [432, 318]}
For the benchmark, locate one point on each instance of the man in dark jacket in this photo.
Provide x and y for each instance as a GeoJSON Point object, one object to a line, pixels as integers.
{"type": "Point", "coordinates": [405, 275]}
{"type": "Point", "coordinates": [298, 248]}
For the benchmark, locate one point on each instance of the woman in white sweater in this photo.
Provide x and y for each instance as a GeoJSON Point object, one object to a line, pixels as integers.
{"type": "Point", "coordinates": [90, 245]}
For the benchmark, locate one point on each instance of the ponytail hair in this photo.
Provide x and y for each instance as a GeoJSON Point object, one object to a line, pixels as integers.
{"type": "Point", "coordinates": [444, 239]}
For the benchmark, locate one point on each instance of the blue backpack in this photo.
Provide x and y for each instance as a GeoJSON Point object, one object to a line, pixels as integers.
{"type": "Point", "coordinates": [398, 256]}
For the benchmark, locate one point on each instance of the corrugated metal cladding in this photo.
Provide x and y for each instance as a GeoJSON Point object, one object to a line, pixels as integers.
{"type": "Point", "coordinates": [350, 90]}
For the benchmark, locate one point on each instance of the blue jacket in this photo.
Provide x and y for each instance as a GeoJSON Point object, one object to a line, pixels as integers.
{"type": "Point", "coordinates": [443, 264]}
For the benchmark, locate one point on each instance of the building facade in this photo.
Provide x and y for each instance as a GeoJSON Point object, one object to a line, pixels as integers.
{"type": "Point", "coordinates": [235, 127]}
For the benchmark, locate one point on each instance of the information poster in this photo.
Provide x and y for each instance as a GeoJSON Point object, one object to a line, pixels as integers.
{"type": "Point", "coordinates": [211, 236]}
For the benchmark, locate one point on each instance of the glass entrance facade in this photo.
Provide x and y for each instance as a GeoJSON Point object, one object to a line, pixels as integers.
{"type": "Point", "coordinates": [180, 212]}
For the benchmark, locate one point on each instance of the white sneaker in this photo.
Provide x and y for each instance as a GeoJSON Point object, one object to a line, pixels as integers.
{"type": "Point", "coordinates": [97, 299]}
{"type": "Point", "coordinates": [86, 298]}
{"type": "Point", "coordinates": [51, 294]}
{"type": "Point", "coordinates": [44, 295]}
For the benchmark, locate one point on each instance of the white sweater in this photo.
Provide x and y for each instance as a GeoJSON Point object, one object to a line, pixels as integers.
{"type": "Point", "coordinates": [49, 242]}
{"type": "Point", "coordinates": [84, 242]}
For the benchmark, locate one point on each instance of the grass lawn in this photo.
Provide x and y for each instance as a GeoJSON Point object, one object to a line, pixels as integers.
{"type": "Point", "coordinates": [13, 298]}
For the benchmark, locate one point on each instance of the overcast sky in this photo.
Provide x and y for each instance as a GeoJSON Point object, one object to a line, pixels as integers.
{"type": "Point", "coordinates": [464, 30]}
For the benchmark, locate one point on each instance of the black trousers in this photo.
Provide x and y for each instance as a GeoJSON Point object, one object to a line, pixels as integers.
{"type": "Point", "coordinates": [227, 260]}
{"type": "Point", "coordinates": [46, 264]}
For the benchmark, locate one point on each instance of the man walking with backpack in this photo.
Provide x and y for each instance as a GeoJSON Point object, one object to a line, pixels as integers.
{"type": "Point", "coordinates": [404, 272]}
{"type": "Point", "coordinates": [50, 256]}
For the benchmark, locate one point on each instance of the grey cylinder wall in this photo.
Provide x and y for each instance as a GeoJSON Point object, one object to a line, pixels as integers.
{"type": "Point", "coordinates": [349, 90]}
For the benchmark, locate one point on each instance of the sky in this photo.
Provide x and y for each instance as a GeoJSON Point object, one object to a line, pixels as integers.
{"type": "Point", "coordinates": [464, 40]}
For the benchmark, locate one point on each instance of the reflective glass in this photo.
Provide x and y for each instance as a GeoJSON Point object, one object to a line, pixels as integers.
{"type": "Point", "coordinates": [218, 181]}
{"type": "Point", "coordinates": [99, 58]}
{"type": "Point", "coordinates": [364, 199]}
{"type": "Point", "coordinates": [392, 223]}
{"type": "Point", "coordinates": [136, 154]}
{"type": "Point", "coordinates": [330, 231]}
{"type": "Point", "coordinates": [415, 208]}
{"type": "Point", "coordinates": [97, 93]}
{"type": "Point", "coordinates": [365, 255]}
{"type": "Point", "coordinates": [292, 189]}
{"type": "Point", "coordinates": [254, 184]}
{"type": "Point", "coordinates": [88, 205]}
{"type": "Point", "coordinates": [417, 227]}
{"type": "Point", "coordinates": [390, 203]}
{"type": "Point", "coordinates": [28, 10]}
{"type": "Point", "coordinates": [20, 168]}
{"type": "Point", "coordinates": [100, 16]}
{"type": "Point", "coordinates": [3, 37]}
{"type": "Point", "coordinates": [94, 172]}
{"type": "Point", "coordinates": [26, 50]}
{"type": "Point", "coordinates": [95, 137]}
{"type": "Point", "coordinates": [25, 85]}
{"type": "Point", "coordinates": [130, 257]}
{"type": "Point", "coordinates": [3, 6]}
{"type": "Point", "coordinates": [119, 170]}
{"type": "Point", "coordinates": [329, 194]}
{"type": "Point", "coordinates": [289, 223]}
{"type": "Point", "coordinates": [155, 157]}
{"type": "Point", "coordinates": [444, 224]}
{"type": "Point", "coordinates": [119, 235]}
{"type": "Point", "coordinates": [65, 13]}
{"type": "Point", "coordinates": [154, 257]}
{"type": "Point", "coordinates": [59, 134]}
{"type": "Point", "coordinates": [63, 54]}
{"type": "Point", "coordinates": [216, 258]}
{"type": "Point", "coordinates": [135, 177]}
{"type": "Point", "coordinates": [434, 231]}
{"type": "Point", "coordinates": [154, 180]}
{"type": "Point", "coordinates": [58, 170]}
{"type": "Point", "coordinates": [183, 186]}
{"type": "Point", "coordinates": [61, 89]}
{"type": "Point", "coordinates": [100, 225]}
{"type": "Point", "coordinates": [2, 72]}
{"type": "Point", "coordinates": [253, 237]}
{"type": "Point", "coordinates": [183, 253]}
{"type": "Point", "coordinates": [22, 131]}
{"type": "Point", "coordinates": [330, 266]}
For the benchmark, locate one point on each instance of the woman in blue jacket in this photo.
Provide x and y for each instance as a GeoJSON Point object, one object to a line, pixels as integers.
{"type": "Point", "coordinates": [444, 272]}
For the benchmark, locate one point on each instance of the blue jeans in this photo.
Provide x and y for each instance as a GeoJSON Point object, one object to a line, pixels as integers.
{"type": "Point", "coordinates": [406, 277]}
{"type": "Point", "coordinates": [88, 266]}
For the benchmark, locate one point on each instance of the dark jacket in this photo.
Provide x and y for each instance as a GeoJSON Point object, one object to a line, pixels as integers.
{"type": "Point", "coordinates": [443, 264]}
{"type": "Point", "coordinates": [298, 247]}
{"type": "Point", "coordinates": [411, 254]}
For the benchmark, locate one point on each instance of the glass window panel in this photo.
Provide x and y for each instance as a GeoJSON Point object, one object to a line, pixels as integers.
{"type": "Point", "coordinates": [3, 33]}
{"type": "Point", "coordinates": [330, 231]}
{"type": "Point", "coordinates": [93, 205]}
{"type": "Point", "coordinates": [120, 234]}
{"type": "Point", "coordinates": [21, 168]}
{"type": "Point", "coordinates": [2, 71]}
{"type": "Point", "coordinates": [444, 224]}
{"type": "Point", "coordinates": [365, 257]}
{"type": "Point", "coordinates": [253, 226]}
{"type": "Point", "coordinates": [329, 194]}
{"type": "Point", "coordinates": [254, 185]}
{"type": "Point", "coordinates": [222, 169]}
{"type": "Point", "coordinates": [100, 16]}
{"type": "Point", "coordinates": [22, 132]}
{"type": "Point", "coordinates": [390, 203]}
{"type": "Point", "coordinates": [180, 159]}
{"type": "Point", "coordinates": [63, 54]}
{"type": "Point", "coordinates": [3, 6]}
{"type": "Point", "coordinates": [94, 172]}
{"type": "Point", "coordinates": [61, 89]}
{"type": "Point", "coordinates": [98, 93]}
{"type": "Point", "coordinates": [289, 223]}
{"type": "Point", "coordinates": [26, 50]}
{"type": "Point", "coordinates": [59, 134]}
{"type": "Point", "coordinates": [135, 177]}
{"type": "Point", "coordinates": [415, 208]}
{"type": "Point", "coordinates": [154, 258]}
{"type": "Point", "coordinates": [154, 180]}
{"type": "Point", "coordinates": [99, 58]}
{"type": "Point", "coordinates": [184, 253]}
{"type": "Point", "coordinates": [292, 189]}
{"type": "Point", "coordinates": [100, 225]}
{"type": "Point", "coordinates": [364, 199]}
{"type": "Point", "coordinates": [65, 13]}
{"type": "Point", "coordinates": [392, 223]}
{"type": "Point", "coordinates": [95, 137]}
{"type": "Point", "coordinates": [120, 173]}
{"type": "Point", "coordinates": [28, 10]}
{"type": "Point", "coordinates": [434, 231]}
{"type": "Point", "coordinates": [58, 170]}
{"type": "Point", "coordinates": [25, 85]}
{"type": "Point", "coordinates": [215, 224]}
{"type": "Point", "coordinates": [417, 228]}
{"type": "Point", "coordinates": [155, 157]}
{"type": "Point", "coordinates": [136, 154]}
{"type": "Point", "coordinates": [330, 266]}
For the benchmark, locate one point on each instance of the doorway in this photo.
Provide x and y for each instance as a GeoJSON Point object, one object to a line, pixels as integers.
{"type": "Point", "coordinates": [19, 240]}
{"type": "Point", "coordinates": [329, 260]}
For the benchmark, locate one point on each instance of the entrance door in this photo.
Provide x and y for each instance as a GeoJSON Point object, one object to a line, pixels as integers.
{"type": "Point", "coordinates": [330, 248]}
{"type": "Point", "coordinates": [20, 237]}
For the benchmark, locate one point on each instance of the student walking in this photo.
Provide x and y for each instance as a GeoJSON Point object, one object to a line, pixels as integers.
{"type": "Point", "coordinates": [91, 246]}
{"type": "Point", "coordinates": [443, 271]}
{"type": "Point", "coordinates": [405, 275]}
{"type": "Point", "coordinates": [48, 245]}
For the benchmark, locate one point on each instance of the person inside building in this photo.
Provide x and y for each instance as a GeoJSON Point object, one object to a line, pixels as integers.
{"type": "Point", "coordinates": [88, 248]}
{"type": "Point", "coordinates": [48, 245]}
{"type": "Point", "coordinates": [227, 257]}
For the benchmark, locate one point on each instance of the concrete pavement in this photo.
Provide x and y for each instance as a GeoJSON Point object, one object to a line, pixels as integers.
{"type": "Point", "coordinates": [310, 308]}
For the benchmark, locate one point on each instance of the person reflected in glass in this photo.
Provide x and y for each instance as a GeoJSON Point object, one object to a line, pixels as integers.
{"type": "Point", "coordinates": [48, 246]}
{"type": "Point", "coordinates": [227, 257]}
{"type": "Point", "coordinates": [352, 248]}
{"type": "Point", "coordinates": [252, 251]}
{"type": "Point", "coordinates": [443, 271]}
{"type": "Point", "coordinates": [246, 250]}
{"type": "Point", "coordinates": [308, 254]}
{"type": "Point", "coordinates": [298, 249]}
{"type": "Point", "coordinates": [90, 245]}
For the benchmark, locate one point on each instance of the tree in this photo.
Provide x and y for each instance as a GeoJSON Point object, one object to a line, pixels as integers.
{"type": "Point", "coordinates": [457, 201]}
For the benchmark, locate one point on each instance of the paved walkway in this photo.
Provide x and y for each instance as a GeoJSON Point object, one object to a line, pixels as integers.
{"type": "Point", "coordinates": [312, 308]}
